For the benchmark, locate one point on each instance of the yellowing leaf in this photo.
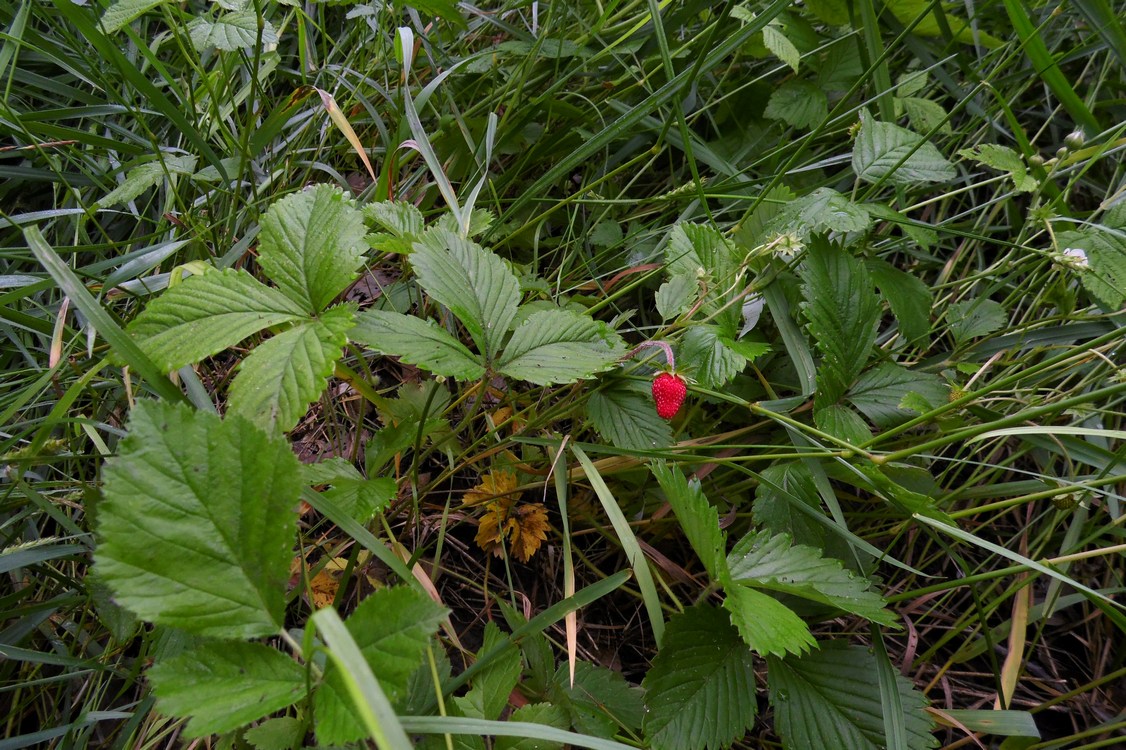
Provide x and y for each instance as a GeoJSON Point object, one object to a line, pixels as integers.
{"type": "Point", "coordinates": [494, 486]}
{"type": "Point", "coordinates": [527, 527]}
{"type": "Point", "coordinates": [524, 525]}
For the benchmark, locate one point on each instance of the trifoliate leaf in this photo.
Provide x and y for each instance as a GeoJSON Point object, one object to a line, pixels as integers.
{"type": "Point", "coordinates": [887, 152]}
{"type": "Point", "coordinates": [312, 244]}
{"type": "Point", "coordinates": [198, 523]}
{"type": "Point", "coordinates": [220, 687]}
{"type": "Point", "coordinates": [700, 691]}
{"type": "Point", "coordinates": [831, 698]}
{"type": "Point", "coordinates": [418, 342]}
{"type": "Point", "coordinates": [205, 314]}
{"type": "Point", "coordinates": [560, 346]}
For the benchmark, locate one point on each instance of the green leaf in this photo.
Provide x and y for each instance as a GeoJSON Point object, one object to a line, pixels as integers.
{"type": "Point", "coordinates": [823, 210]}
{"type": "Point", "coordinates": [831, 698]}
{"type": "Point", "coordinates": [1003, 159]}
{"type": "Point", "coordinates": [706, 358]}
{"type": "Point", "coordinates": [493, 684]}
{"type": "Point", "coordinates": [700, 690]}
{"type": "Point", "coordinates": [222, 686]}
{"type": "Point", "coordinates": [675, 297]}
{"type": "Point", "coordinates": [842, 422]}
{"type": "Point", "coordinates": [282, 733]}
{"type": "Point", "coordinates": [147, 175]}
{"type": "Point", "coordinates": [472, 282]}
{"type": "Point", "coordinates": [560, 346]}
{"type": "Point", "coordinates": [782, 486]}
{"type": "Point", "coordinates": [698, 518]}
{"type": "Point", "coordinates": [537, 713]}
{"type": "Point", "coordinates": [880, 393]}
{"type": "Point", "coordinates": [600, 703]}
{"type": "Point", "coordinates": [123, 12]}
{"type": "Point", "coordinates": [361, 498]}
{"type": "Point", "coordinates": [205, 314]}
{"type": "Point", "coordinates": [770, 561]}
{"type": "Point", "coordinates": [881, 146]}
{"type": "Point", "coordinates": [910, 299]}
{"type": "Point", "coordinates": [417, 342]}
{"type": "Point", "coordinates": [230, 32]}
{"type": "Point", "coordinates": [311, 244]}
{"type": "Point", "coordinates": [995, 722]}
{"type": "Point", "coordinates": [921, 233]}
{"type": "Point", "coordinates": [279, 379]}
{"type": "Point", "coordinates": [926, 115]}
{"type": "Point", "coordinates": [400, 218]}
{"type": "Point", "coordinates": [798, 103]}
{"type": "Point", "coordinates": [832, 12]}
{"type": "Point", "coordinates": [198, 523]}
{"type": "Point", "coordinates": [777, 42]}
{"type": "Point", "coordinates": [765, 624]}
{"type": "Point", "coordinates": [444, 9]}
{"type": "Point", "coordinates": [969, 319]}
{"type": "Point", "coordinates": [392, 628]}
{"type": "Point", "coordinates": [693, 248]}
{"type": "Point", "coordinates": [624, 414]}
{"type": "Point", "coordinates": [1105, 274]}
{"type": "Point", "coordinates": [842, 312]}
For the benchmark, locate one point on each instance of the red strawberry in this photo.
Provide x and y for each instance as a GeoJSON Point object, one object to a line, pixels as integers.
{"type": "Point", "coordinates": [669, 390]}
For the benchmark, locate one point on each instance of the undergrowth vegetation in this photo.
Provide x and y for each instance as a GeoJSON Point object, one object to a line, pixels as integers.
{"type": "Point", "coordinates": [541, 374]}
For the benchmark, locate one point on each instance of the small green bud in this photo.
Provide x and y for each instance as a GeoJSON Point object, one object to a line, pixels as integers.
{"type": "Point", "coordinates": [1074, 140]}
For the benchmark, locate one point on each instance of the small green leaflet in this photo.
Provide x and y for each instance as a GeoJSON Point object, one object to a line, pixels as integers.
{"type": "Point", "coordinates": [147, 175]}
{"type": "Point", "coordinates": [798, 103]}
{"type": "Point", "coordinates": [713, 362]}
{"type": "Point", "coordinates": [823, 210]}
{"type": "Point", "coordinates": [493, 684]}
{"type": "Point", "coordinates": [220, 687]}
{"type": "Point", "coordinates": [887, 152]}
{"type": "Point", "coordinates": [698, 517]}
{"type": "Point", "coordinates": [700, 691]}
{"type": "Point", "coordinates": [123, 12]}
{"type": "Point", "coordinates": [280, 733]}
{"type": "Point", "coordinates": [841, 422]}
{"type": "Point", "coordinates": [624, 415]}
{"type": "Point", "coordinates": [198, 522]}
{"type": "Point", "coordinates": [777, 42]}
{"type": "Point", "coordinates": [1003, 159]}
{"type": "Point", "coordinates": [400, 218]}
{"type": "Point", "coordinates": [830, 698]}
{"type": "Point", "coordinates": [880, 393]}
{"type": "Point", "coordinates": [230, 32]}
{"type": "Point", "coordinates": [537, 713]}
{"type": "Point", "coordinates": [971, 318]}
{"type": "Point", "coordinates": [765, 624]}
{"type": "Point", "coordinates": [418, 342]}
{"type": "Point", "coordinates": [600, 702]}
{"type": "Point", "coordinates": [560, 346]}
{"type": "Point", "coordinates": [1105, 248]}
{"type": "Point", "coordinates": [910, 299]}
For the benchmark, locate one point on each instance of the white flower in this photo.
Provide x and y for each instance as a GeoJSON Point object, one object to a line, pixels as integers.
{"type": "Point", "coordinates": [1072, 257]}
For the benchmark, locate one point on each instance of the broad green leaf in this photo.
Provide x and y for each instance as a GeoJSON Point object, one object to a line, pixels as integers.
{"type": "Point", "coordinates": [880, 392]}
{"type": "Point", "coordinates": [493, 684]}
{"type": "Point", "coordinates": [560, 346]}
{"type": "Point", "coordinates": [842, 312]}
{"type": "Point", "coordinates": [770, 561]}
{"type": "Point", "coordinates": [391, 628]}
{"type": "Point", "coordinates": [971, 318]}
{"type": "Point", "coordinates": [841, 65]}
{"type": "Point", "coordinates": [777, 42]}
{"type": "Point", "coordinates": [911, 83]}
{"type": "Point", "coordinates": [910, 299]}
{"type": "Point", "coordinates": [842, 422]}
{"type": "Point", "coordinates": [537, 713]}
{"type": "Point", "coordinates": [698, 518]}
{"type": "Point", "coordinates": [1003, 159]}
{"type": "Point", "coordinates": [220, 687]}
{"type": "Point", "coordinates": [311, 245]}
{"type": "Point", "coordinates": [887, 151]}
{"type": "Point", "coordinates": [123, 12]}
{"type": "Point", "coordinates": [147, 175]}
{"type": "Point", "coordinates": [1105, 248]}
{"type": "Point", "coordinates": [472, 282]}
{"type": "Point", "coordinates": [279, 379]}
{"type": "Point", "coordinates": [198, 523]}
{"type": "Point", "coordinates": [400, 218]}
{"type": "Point", "coordinates": [765, 624]}
{"type": "Point", "coordinates": [798, 103]}
{"type": "Point", "coordinates": [831, 698]}
{"type": "Point", "coordinates": [418, 342]}
{"type": "Point", "coordinates": [694, 249]}
{"type": "Point", "coordinates": [624, 415]}
{"type": "Point", "coordinates": [700, 691]}
{"type": "Point", "coordinates": [676, 295]}
{"type": "Point", "coordinates": [600, 703]}
{"type": "Point", "coordinates": [823, 210]}
{"type": "Point", "coordinates": [205, 314]}
{"type": "Point", "coordinates": [705, 356]}
{"type": "Point", "coordinates": [230, 32]}
{"type": "Point", "coordinates": [281, 733]}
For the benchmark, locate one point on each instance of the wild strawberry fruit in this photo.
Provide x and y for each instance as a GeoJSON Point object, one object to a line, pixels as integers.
{"type": "Point", "coordinates": [669, 390]}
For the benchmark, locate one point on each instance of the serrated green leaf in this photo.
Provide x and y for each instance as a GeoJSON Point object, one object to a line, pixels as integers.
{"type": "Point", "coordinates": [600, 703]}
{"type": "Point", "coordinates": [765, 624]}
{"type": "Point", "coordinates": [823, 210]}
{"type": "Point", "coordinates": [698, 518]}
{"type": "Point", "coordinates": [392, 628]}
{"type": "Point", "coordinates": [472, 282]}
{"type": "Point", "coordinates": [311, 245]}
{"type": "Point", "coordinates": [198, 522]}
{"type": "Point", "coordinates": [205, 314]}
{"type": "Point", "coordinates": [400, 218]}
{"type": "Point", "coordinates": [444, 9]}
{"type": "Point", "coordinates": [360, 498]}
{"type": "Point", "coordinates": [842, 422]}
{"type": "Point", "coordinates": [147, 175]}
{"type": "Point", "coordinates": [842, 312]}
{"type": "Point", "coordinates": [675, 296]}
{"type": "Point", "coordinates": [831, 698]}
{"type": "Point", "coordinates": [220, 687]}
{"type": "Point", "coordinates": [798, 103]}
{"type": "Point", "coordinates": [881, 146]}
{"type": "Point", "coordinates": [281, 733]}
{"type": "Point", "coordinates": [1003, 159]}
{"type": "Point", "coordinates": [926, 115]}
{"type": "Point", "coordinates": [279, 379]}
{"type": "Point", "coordinates": [123, 12]}
{"type": "Point", "coordinates": [910, 299]}
{"type": "Point", "coordinates": [560, 346]}
{"type": "Point", "coordinates": [700, 691]}
{"type": "Point", "coordinates": [969, 319]}
{"type": "Point", "coordinates": [624, 414]}
{"type": "Point", "coordinates": [1105, 274]}
{"type": "Point", "coordinates": [832, 12]}
{"type": "Point", "coordinates": [879, 392]}
{"type": "Point", "coordinates": [777, 42]}
{"type": "Point", "coordinates": [418, 342]}
{"type": "Point", "coordinates": [230, 32]}
{"type": "Point", "coordinates": [537, 713]}
{"type": "Point", "coordinates": [706, 358]}
{"type": "Point", "coordinates": [493, 684]}
{"type": "Point", "coordinates": [693, 248]}
{"type": "Point", "coordinates": [759, 226]}
{"type": "Point", "coordinates": [768, 561]}
{"type": "Point", "coordinates": [781, 487]}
